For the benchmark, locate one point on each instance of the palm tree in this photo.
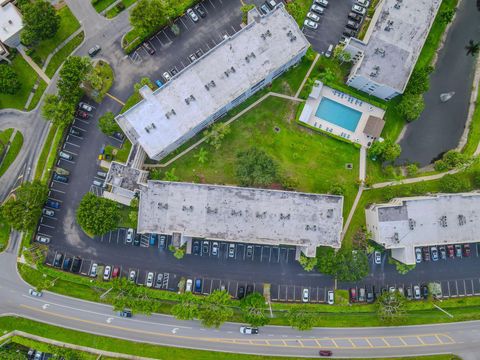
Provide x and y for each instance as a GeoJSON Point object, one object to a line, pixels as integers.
{"type": "Point", "coordinates": [472, 48]}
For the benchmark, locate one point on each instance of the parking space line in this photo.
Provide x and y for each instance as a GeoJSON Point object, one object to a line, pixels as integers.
{"type": "Point", "coordinates": [184, 22]}
{"type": "Point", "coordinates": [448, 286]}
{"type": "Point", "coordinates": [183, 65]}
{"type": "Point", "coordinates": [82, 121]}
{"type": "Point", "coordinates": [79, 128]}
{"type": "Point", "coordinates": [164, 33]}
{"type": "Point", "coordinates": [456, 285]}
{"type": "Point", "coordinates": [59, 191]}
{"type": "Point", "coordinates": [69, 143]}
{"type": "Point", "coordinates": [47, 226]}
{"type": "Point", "coordinates": [211, 3]}
{"type": "Point", "coordinates": [70, 152]}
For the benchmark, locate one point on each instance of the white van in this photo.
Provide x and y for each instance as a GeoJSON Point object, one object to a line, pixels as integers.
{"type": "Point", "coordinates": [328, 53]}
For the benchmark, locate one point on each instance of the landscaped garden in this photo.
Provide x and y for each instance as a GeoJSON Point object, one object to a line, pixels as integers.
{"type": "Point", "coordinates": [26, 78]}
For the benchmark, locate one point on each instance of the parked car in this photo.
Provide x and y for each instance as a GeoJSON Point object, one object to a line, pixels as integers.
{"type": "Point", "coordinates": [52, 204]}
{"type": "Point", "coordinates": [325, 353]}
{"type": "Point", "coordinates": [416, 292]}
{"type": "Point", "coordinates": [271, 4]}
{"type": "Point", "coordinates": [353, 25]}
{"type": "Point", "coordinates": [248, 330]}
{"type": "Point", "coordinates": [81, 114]}
{"type": "Point", "coordinates": [426, 254]}
{"type": "Point", "coordinates": [361, 295]}
{"type": "Point", "coordinates": [450, 251]}
{"type": "Point", "coordinates": [35, 293]}
{"type": "Point", "coordinates": [466, 250]}
{"type": "Point", "coordinates": [205, 247]}
{"type": "Point", "coordinates": [188, 285]}
{"type": "Point", "coordinates": [458, 250]}
{"type": "Point", "coordinates": [162, 241]}
{"type": "Point", "coordinates": [61, 171]}
{"type": "Point", "coordinates": [249, 250]}
{"type": "Point", "coordinates": [94, 50]}
{"type": "Point", "coordinates": [330, 297]}
{"type": "Point", "coordinates": [305, 295]}
{"type": "Point", "coordinates": [129, 236]}
{"type": "Point", "coordinates": [378, 257]}
{"type": "Point", "coordinates": [38, 356]}
{"type": "Point", "coordinates": [349, 32]}
{"type": "Point", "coordinates": [115, 272]}
{"type": "Point", "coordinates": [198, 285]}
{"type": "Point", "coordinates": [425, 291]}
{"type": "Point", "coordinates": [57, 261]}
{"type": "Point", "coordinates": [364, 3]}
{"type": "Point", "coordinates": [106, 272]}
{"type": "Point", "coordinates": [149, 281]}
{"type": "Point", "coordinates": [196, 247]}
{"type": "Point", "coordinates": [313, 16]}
{"type": "Point", "coordinates": [264, 9]}
{"type": "Point", "coordinates": [353, 295]}
{"type": "Point", "coordinates": [166, 76]}
{"type": "Point", "coordinates": [249, 290]}
{"type": "Point", "coordinates": [149, 48]}
{"type": "Point", "coordinates": [192, 15]}
{"type": "Point", "coordinates": [370, 296]}
{"type": "Point", "coordinates": [323, 3]}
{"type": "Point", "coordinates": [241, 292]}
{"type": "Point", "coordinates": [152, 239]}
{"type": "Point", "coordinates": [125, 313]}
{"type": "Point", "coordinates": [42, 239]}
{"type": "Point", "coordinates": [359, 9]}
{"type": "Point", "coordinates": [85, 107]}
{"type": "Point", "coordinates": [231, 250]}
{"type": "Point", "coordinates": [355, 16]}
{"type": "Point", "coordinates": [215, 248]}
{"type": "Point", "coordinates": [329, 51]}
{"type": "Point", "coordinates": [132, 276]}
{"type": "Point", "coordinates": [93, 270]}
{"type": "Point", "coordinates": [443, 252]}
{"type": "Point", "coordinates": [75, 132]}
{"type": "Point", "coordinates": [418, 255]}
{"type": "Point", "coordinates": [60, 178]}
{"type": "Point", "coordinates": [391, 289]}
{"type": "Point", "coordinates": [67, 263]}
{"type": "Point", "coordinates": [173, 71]}
{"type": "Point", "coordinates": [136, 240]}
{"type": "Point", "coordinates": [77, 264]}
{"type": "Point", "coordinates": [65, 156]}
{"type": "Point", "coordinates": [198, 8]}
{"type": "Point", "coordinates": [409, 293]}
{"type": "Point", "coordinates": [159, 281]}
{"type": "Point", "coordinates": [199, 53]}
{"type": "Point", "coordinates": [98, 183]}
{"type": "Point", "coordinates": [192, 58]}
{"type": "Point", "coordinates": [318, 9]}
{"type": "Point", "coordinates": [434, 252]}
{"type": "Point", "coordinates": [119, 136]}
{"type": "Point", "coordinates": [310, 24]}
{"type": "Point", "coordinates": [159, 83]}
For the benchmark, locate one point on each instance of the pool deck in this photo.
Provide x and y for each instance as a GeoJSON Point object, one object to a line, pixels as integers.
{"type": "Point", "coordinates": [320, 91]}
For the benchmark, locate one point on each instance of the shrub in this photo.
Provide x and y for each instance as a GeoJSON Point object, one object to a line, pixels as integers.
{"type": "Point", "coordinates": [411, 106]}
{"type": "Point", "coordinates": [454, 184]}
{"type": "Point", "coordinates": [412, 169]}
{"type": "Point", "coordinates": [9, 83]}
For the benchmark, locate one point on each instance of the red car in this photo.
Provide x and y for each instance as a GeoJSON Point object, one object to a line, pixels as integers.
{"type": "Point", "coordinates": [115, 272]}
{"type": "Point", "coordinates": [353, 295]}
{"type": "Point", "coordinates": [466, 250]}
{"type": "Point", "coordinates": [450, 251]}
{"type": "Point", "coordinates": [82, 114]}
{"type": "Point", "coordinates": [325, 353]}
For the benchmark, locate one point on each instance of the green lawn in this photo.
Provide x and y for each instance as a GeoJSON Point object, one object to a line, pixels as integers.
{"type": "Point", "coordinates": [5, 136]}
{"type": "Point", "coordinates": [38, 94]}
{"type": "Point", "coordinates": [125, 220]}
{"type": "Point", "coordinates": [46, 348]}
{"type": "Point", "coordinates": [105, 72]}
{"type": "Point", "coordinates": [101, 5]}
{"type": "Point", "coordinates": [62, 54]}
{"type": "Point", "coordinates": [45, 150]}
{"type": "Point", "coordinates": [68, 25]}
{"type": "Point", "coordinates": [52, 154]}
{"type": "Point", "coordinates": [122, 153]}
{"type": "Point", "coordinates": [4, 233]}
{"type": "Point", "coordinates": [12, 153]}
{"type": "Point", "coordinates": [474, 132]}
{"type": "Point", "coordinates": [302, 155]}
{"type": "Point", "coordinates": [27, 78]}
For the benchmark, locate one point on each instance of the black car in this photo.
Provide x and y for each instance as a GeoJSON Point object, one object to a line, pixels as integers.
{"type": "Point", "coordinates": [200, 11]}
{"type": "Point", "coordinates": [57, 262]}
{"type": "Point", "coordinates": [241, 292]}
{"type": "Point", "coordinates": [196, 248]}
{"type": "Point", "coordinates": [355, 16]}
{"type": "Point", "coordinates": [125, 313]}
{"type": "Point", "coordinates": [60, 178]}
{"type": "Point", "coordinates": [199, 53]}
{"type": "Point", "coordinates": [249, 289]}
{"type": "Point", "coordinates": [136, 241]}
{"type": "Point", "coordinates": [425, 291]}
{"type": "Point", "coordinates": [149, 47]}
{"type": "Point", "coordinates": [162, 240]}
{"type": "Point", "coordinates": [353, 25]}
{"type": "Point", "coordinates": [349, 32]}
{"type": "Point", "coordinates": [174, 71]}
{"type": "Point", "coordinates": [205, 247]}
{"type": "Point", "coordinates": [67, 263]}
{"type": "Point", "coordinates": [75, 132]}
{"type": "Point", "coordinates": [77, 263]}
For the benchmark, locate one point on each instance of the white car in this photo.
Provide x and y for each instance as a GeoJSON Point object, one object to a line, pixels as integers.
{"type": "Point", "coordinates": [416, 292]}
{"type": "Point", "coordinates": [310, 24]}
{"type": "Point", "coordinates": [106, 272]}
{"type": "Point", "coordinates": [323, 3]}
{"type": "Point", "coordinates": [364, 3]}
{"type": "Point", "coordinates": [317, 9]}
{"type": "Point", "coordinates": [359, 9]}
{"type": "Point", "coordinates": [129, 235]}
{"type": "Point", "coordinates": [48, 212]}
{"type": "Point", "coordinates": [305, 296]}
{"type": "Point", "coordinates": [42, 239]}
{"type": "Point", "coordinates": [35, 293]}
{"type": "Point", "coordinates": [378, 257]}
{"type": "Point", "coordinates": [93, 270]}
{"type": "Point", "coordinates": [247, 330]}
{"type": "Point", "coordinates": [132, 276]}
{"type": "Point", "coordinates": [330, 297]}
{"type": "Point", "coordinates": [215, 249]}
{"type": "Point", "coordinates": [85, 107]}
{"type": "Point", "coordinates": [313, 16]}
{"type": "Point", "coordinates": [188, 285]}
{"type": "Point", "coordinates": [149, 282]}
{"type": "Point", "coordinates": [192, 15]}
{"type": "Point", "coordinates": [166, 76]}
{"type": "Point", "coordinates": [418, 255]}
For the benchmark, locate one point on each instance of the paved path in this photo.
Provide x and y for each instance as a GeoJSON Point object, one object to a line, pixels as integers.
{"type": "Point", "coordinates": [32, 63]}
{"type": "Point", "coordinates": [413, 180]}
{"type": "Point", "coordinates": [307, 75]}
{"type": "Point", "coordinates": [363, 164]}
{"type": "Point", "coordinates": [57, 49]}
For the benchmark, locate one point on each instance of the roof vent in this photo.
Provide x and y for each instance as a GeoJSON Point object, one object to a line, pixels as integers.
{"type": "Point", "coordinates": [443, 221]}
{"type": "Point", "coordinates": [411, 224]}
{"type": "Point", "coordinates": [236, 213]}
{"type": "Point", "coordinates": [162, 206]}
{"type": "Point", "coordinates": [147, 130]}
{"type": "Point", "coordinates": [395, 237]}
{"type": "Point", "coordinates": [461, 220]}
{"type": "Point", "coordinates": [284, 216]}
{"type": "Point", "coordinates": [153, 126]}
{"type": "Point", "coordinates": [262, 215]}
{"type": "Point", "coordinates": [187, 101]}
{"type": "Point", "coordinates": [187, 208]}
{"type": "Point", "coordinates": [10, 22]}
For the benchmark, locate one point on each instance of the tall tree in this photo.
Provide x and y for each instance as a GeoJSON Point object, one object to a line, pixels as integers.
{"type": "Point", "coordinates": [216, 134]}
{"type": "Point", "coordinates": [385, 150]}
{"type": "Point", "coordinates": [9, 83]}
{"type": "Point", "coordinates": [23, 211]}
{"type": "Point", "coordinates": [215, 311]}
{"type": "Point", "coordinates": [301, 318]}
{"type": "Point", "coordinates": [472, 48]}
{"type": "Point", "coordinates": [57, 111]}
{"type": "Point", "coordinates": [253, 309]}
{"type": "Point", "coordinates": [73, 72]}
{"type": "Point", "coordinates": [255, 168]}
{"type": "Point", "coordinates": [107, 123]}
{"type": "Point", "coordinates": [40, 21]}
{"type": "Point", "coordinates": [411, 106]}
{"type": "Point", "coordinates": [345, 265]}
{"type": "Point", "coordinates": [187, 309]}
{"type": "Point", "coordinates": [149, 15]}
{"type": "Point", "coordinates": [97, 215]}
{"type": "Point", "coordinates": [391, 307]}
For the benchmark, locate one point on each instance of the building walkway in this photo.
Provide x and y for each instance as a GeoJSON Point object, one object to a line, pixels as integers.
{"type": "Point", "coordinates": [32, 63]}
{"type": "Point", "coordinates": [59, 47]}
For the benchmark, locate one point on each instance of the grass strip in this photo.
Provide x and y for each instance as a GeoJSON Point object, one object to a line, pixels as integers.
{"type": "Point", "coordinates": [38, 94]}
{"type": "Point", "coordinates": [62, 54]}
{"type": "Point", "coordinates": [4, 233]}
{"type": "Point", "coordinates": [52, 154]}
{"type": "Point", "coordinates": [27, 77]}
{"type": "Point", "coordinates": [474, 131]}
{"type": "Point", "coordinates": [100, 5]}
{"type": "Point", "coordinates": [12, 152]}
{"type": "Point", "coordinates": [45, 151]}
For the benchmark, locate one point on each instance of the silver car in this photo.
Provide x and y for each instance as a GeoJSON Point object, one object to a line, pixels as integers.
{"type": "Point", "coordinates": [313, 16]}
{"type": "Point", "coordinates": [310, 24]}
{"type": "Point", "coordinates": [149, 282]}
{"type": "Point", "coordinates": [192, 15]}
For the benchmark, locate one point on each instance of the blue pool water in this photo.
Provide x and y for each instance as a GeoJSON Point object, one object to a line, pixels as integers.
{"type": "Point", "coordinates": [338, 114]}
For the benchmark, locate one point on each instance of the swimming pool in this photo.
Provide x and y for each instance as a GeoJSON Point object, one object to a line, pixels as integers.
{"type": "Point", "coordinates": [338, 114]}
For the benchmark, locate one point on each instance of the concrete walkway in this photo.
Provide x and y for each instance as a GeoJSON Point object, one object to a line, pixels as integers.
{"type": "Point", "coordinates": [32, 63]}
{"type": "Point", "coordinates": [352, 211]}
{"type": "Point", "coordinates": [307, 76]}
{"type": "Point", "coordinates": [59, 47]}
{"type": "Point", "coordinates": [413, 180]}
{"type": "Point", "coordinates": [363, 164]}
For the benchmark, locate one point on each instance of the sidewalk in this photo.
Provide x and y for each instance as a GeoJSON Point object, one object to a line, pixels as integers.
{"type": "Point", "coordinates": [59, 47]}
{"type": "Point", "coordinates": [32, 63]}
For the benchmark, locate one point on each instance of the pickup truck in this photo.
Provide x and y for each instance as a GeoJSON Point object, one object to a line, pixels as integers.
{"type": "Point", "coordinates": [61, 171]}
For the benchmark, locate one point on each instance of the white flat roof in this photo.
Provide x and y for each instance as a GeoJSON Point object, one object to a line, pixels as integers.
{"type": "Point", "coordinates": [241, 214]}
{"type": "Point", "coordinates": [10, 22]}
{"type": "Point", "coordinates": [432, 220]}
{"type": "Point", "coordinates": [228, 70]}
{"type": "Point", "coordinates": [392, 54]}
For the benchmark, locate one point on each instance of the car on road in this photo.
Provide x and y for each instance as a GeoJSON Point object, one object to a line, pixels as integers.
{"type": "Point", "coordinates": [93, 270]}
{"type": "Point", "coordinates": [231, 250]}
{"type": "Point", "coordinates": [353, 295]}
{"type": "Point", "coordinates": [264, 9]}
{"type": "Point", "coordinates": [106, 272]}
{"type": "Point", "coordinates": [85, 107]}
{"type": "Point", "coordinates": [349, 32]}
{"type": "Point", "coordinates": [466, 250]}
{"type": "Point", "coordinates": [192, 15]}
{"type": "Point", "coordinates": [60, 178]}
{"type": "Point", "coordinates": [196, 247]}
{"type": "Point", "coordinates": [248, 330]}
{"type": "Point", "coordinates": [364, 3]}
{"type": "Point", "coordinates": [241, 292]}
{"type": "Point", "coordinates": [330, 297]}
{"type": "Point", "coordinates": [416, 292]}
{"type": "Point", "coordinates": [215, 249]}
{"type": "Point", "coordinates": [162, 241]}
{"type": "Point", "coordinates": [94, 50]}
{"type": "Point", "coordinates": [33, 292]}
{"type": "Point", "coordinates": [75, 132]}
{"type": "Point", "coordinates": [48, 212]}
{"type": "Point", "coordinates": [125, 313]}
{"type": "Point", "coordinates": [249, 251]}
{"type": "Point", "coordinates": [132, 276]}
{"type": "Point", "coordinates": [57, 261]}
{"type": "Point", "coordinates": [305, 295]}
{"type": "Point", "coordinates": [378, 257]}
{"type": "Point", "coordinates": [271, 4]}
{"type": "Point", "coordinates": [136, 240]}
{"type": "Point", "coordinates": [152, 239]}
{"type": "Point", "coordinates": [310, 24]}
{"type": "Point", "coordinates": [312, 16]}
{"type": "Point", "coordinates": [458, 250]}
{"type": "Point", "coordinates": [199, 9]}
{"type": "Point", "coordinates": [426, 254]}
{"type": "Point", "coordinates": [353, 25]}
{"type": "Point", "coordinates": [205, 247]}
{"type": "Point", "coordinates": [115, 272]}
{"type": "Point", "coordinates": [325, 353]}
{"type": "Point", "coordinates": [434, 251]}
{"type": "Point", "coordinates": [318, 9]}
{"type": "Point", "coordinates": [188, 285]}
{"type": "Point", "coordinates": [65, 156]}
{"type": "Point", "coordinates": [148, 47]}
{"type": "Point", "coordinates": [451, 251]}
{"type": "Point", "coordinates": [159, 281]}
{"type": "Point", "coordinates": [355, 16]}
{"type": "Point", "coordinates": [159, 83]}
{"type": "Point", "coordinates": [149, 281]}
{"type": "Point", "coordinates": [443, 252]}
{"type": "Point", "coordinates": [192, 58]}
{"type": "Point", "coordinates": [129, 236]}
{"type": "Point", "coordinates": [418, 255]}
{"type": "Point", "coordinates": [359, 9]}
{"type": "Point", "coordinates": [77, 264]}
{"type": "Point", "coordinates": [42, 239]}
{"type": "Point", "coordinates": [166, 76]}
{"type": "Point", "coordinates": [198, 285]}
